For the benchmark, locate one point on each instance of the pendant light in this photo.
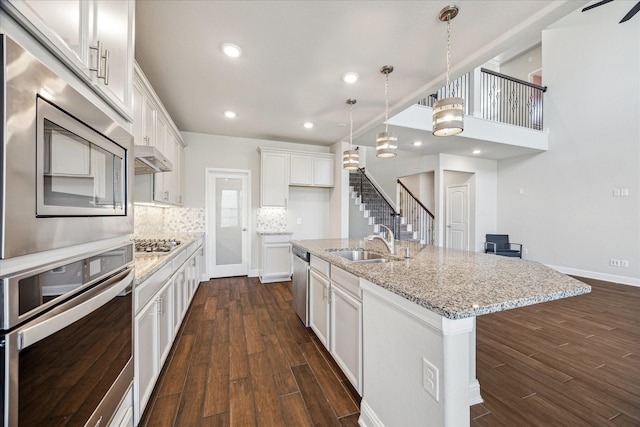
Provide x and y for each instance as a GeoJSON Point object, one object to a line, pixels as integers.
{"type": "Point", "coordinates": [448, 112]}
{"type": "Point", "coordinates": [386, 142]}
{"type": "Point", "coordinates": [350, 157]}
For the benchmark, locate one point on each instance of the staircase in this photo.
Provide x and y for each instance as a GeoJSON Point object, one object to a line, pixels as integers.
{"type": "Point", "coordinates": [378, 210]}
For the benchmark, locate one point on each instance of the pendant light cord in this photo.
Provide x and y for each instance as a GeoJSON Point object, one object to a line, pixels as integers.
{"type": "Point", "coordinates": [448, 47]}
{"type": "Point", "coordinates": [386, 102]}
{"type": "Point", "coordinates": [351, 126]}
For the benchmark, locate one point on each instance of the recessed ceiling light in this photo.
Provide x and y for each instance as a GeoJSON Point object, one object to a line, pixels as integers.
{"type": "Point", "coordinates": [230, 114]}
{"type": "Point", "coordinates": [350, 77]}
{"type": "Point", "coordinates": [416, 143]}
{"type": "Point", "coordinates": [231, 50]}
{"type": "Point", "coordinates": [307, 125]}
{"type": "Point", "coordinates": [477, 151]}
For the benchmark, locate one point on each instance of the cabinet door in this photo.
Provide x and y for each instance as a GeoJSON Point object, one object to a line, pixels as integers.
{"type": "Point", "coordinates": [177, 175]}
{"type": "Point", "coordinates": [114, 29]}
{"type": "Point", "coordinates": [162, 181]}
{"type": "Point", "coordinates": [301, 169]}
{"type": "Point", "coordinates": [276, 261]}
{"type": "Point", "coordinates": [145, 355]}
{"type": "Point", "coordinates": [274, 179]}
{"type": "Point", "coordinates": [323, 171]}
{"type": "Point", "coordinates": [139, 110]}
{"type": "Point", "coordinates": [165, 322]}
{"type": "Point", "coordinates": [62, 23]}
{"type": "Point", "coordinates": [346, 334]}
{"type": "Point", "coordinates": [149, 122]}
{"type": "Point", "coordinates": [319, 306]}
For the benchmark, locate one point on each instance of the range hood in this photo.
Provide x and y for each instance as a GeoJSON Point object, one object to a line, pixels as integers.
{"type": "Point", "coordinates": [150, 160]}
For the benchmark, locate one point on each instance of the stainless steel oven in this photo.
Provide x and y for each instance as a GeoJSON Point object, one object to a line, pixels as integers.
{"type": "Point", "coordinates": [66, 344]}
{"type": "Point", "coordinates": [66, 164]}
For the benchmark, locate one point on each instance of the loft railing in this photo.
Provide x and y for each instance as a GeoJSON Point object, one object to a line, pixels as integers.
{"type": "Point", "coordinates": [416, 214]}
{"type": "Point", "coordinates": [384, 212]}
{"type": "Point", "coordinates": [503, 98]}
{"type": "Point", "coordinates": [459, 87]}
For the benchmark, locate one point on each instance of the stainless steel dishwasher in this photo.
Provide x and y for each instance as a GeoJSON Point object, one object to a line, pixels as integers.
{"type": "Point", "coordinates": [301, 284]}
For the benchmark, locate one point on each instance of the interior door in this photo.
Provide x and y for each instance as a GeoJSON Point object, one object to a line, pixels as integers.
{"type": "Point", "coordinates": [458, 217]}
{"type": "Point", "coordinates": [227, 222]}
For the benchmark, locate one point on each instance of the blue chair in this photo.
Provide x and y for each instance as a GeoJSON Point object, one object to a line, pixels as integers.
{"type": "Point", "coordinates": [499, 244]}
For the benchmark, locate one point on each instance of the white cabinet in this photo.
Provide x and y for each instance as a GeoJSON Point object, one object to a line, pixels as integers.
{"type": "Point", "coordinates": [346, 325]}
{"type": "Point", "coordinates": [319, 293]}
{"type": "Point", "coordinates": [311, 170]}
{"type": "Point", "coordinates": [177, 175]}
{"type": "Point", "coordinates": [275, 257]}
{"type": "Point", "coordinates": [94, 38]}
{"type": "Point", "coordinates": [161, 302]}
{"type": "Point", "coordinates": [162, 181]}
{"type": "Point", "coordinates": [274, 182]}
{"type": "Point", "coordinates": [145, 356]}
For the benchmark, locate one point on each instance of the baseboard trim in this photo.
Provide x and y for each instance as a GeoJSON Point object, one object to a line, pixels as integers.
{"type": "Point", "coordinates": [253, 273]}
{"type": "Point", "coordinates": [597, 275]}
{"type": "Point", "coordinates": [368, 418]}
{"type": "Point", "coordinates": [474, 393]}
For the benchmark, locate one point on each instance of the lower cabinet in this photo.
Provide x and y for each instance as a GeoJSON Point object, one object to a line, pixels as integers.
{"type": "Point", "coordinates": [275, 258]}
{"type": "Point", "coordinates": [161, 306]}
{"type": "Point", "coordinates": [345, 330]}
{"type": "Point", "coordinates": [319, 305]}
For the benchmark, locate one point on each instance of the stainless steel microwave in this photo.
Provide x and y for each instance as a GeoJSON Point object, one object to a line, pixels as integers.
{"type": "Point", "coordinates": [67, 165]}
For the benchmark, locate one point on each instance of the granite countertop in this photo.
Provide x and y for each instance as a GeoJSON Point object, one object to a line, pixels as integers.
{"type": "Point", "coordinates": [453, 283]}
{"type": "Point", "coordinates": [274, 233]}
{"type": "Point", "coordinates": [147, 264]}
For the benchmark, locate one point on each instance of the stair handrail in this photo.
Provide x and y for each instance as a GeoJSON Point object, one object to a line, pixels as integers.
{"type": "Point", "coordinates": [417, 214]}
{"type": "Point", "coordinates": [375, 187]}
{"type": "Point", "coordinates": [416, 199]}
{"type": "Point", "coordinates": [392, 210]}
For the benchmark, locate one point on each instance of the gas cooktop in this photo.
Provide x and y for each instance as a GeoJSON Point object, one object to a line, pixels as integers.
{"type": "Point", "coordinates": [156, 246]}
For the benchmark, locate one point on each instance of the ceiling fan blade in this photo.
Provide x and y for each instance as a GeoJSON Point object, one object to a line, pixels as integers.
{"type": "Point", "coordinates": [600, 3]}
{"type": "Point", "coordinates": [630, 14]}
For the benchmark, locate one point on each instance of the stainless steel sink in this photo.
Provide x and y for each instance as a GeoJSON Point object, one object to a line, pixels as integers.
{"type": "Point", "coordinates": [360, 256]}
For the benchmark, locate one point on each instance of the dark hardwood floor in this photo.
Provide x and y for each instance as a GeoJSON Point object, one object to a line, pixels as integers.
{"type": "Point", "coordinates": [243, 358]}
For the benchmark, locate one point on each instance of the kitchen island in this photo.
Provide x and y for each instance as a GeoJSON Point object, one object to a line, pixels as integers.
{"type": "Point", "coordinates": [418, 323]}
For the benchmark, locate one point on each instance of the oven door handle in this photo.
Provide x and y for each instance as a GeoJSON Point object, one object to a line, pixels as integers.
{"type": "Point", "coordinates": [75, 309]}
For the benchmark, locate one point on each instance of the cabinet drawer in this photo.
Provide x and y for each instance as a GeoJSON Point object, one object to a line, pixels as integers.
{"type": "Point", "coordinates": [320, 265]}
{"type": "Point", "coordinates": [179, 259]}
{"type": "Point", "coordinates": [150, 287]}
{"type": "Point", "coordinates": [346, 281]}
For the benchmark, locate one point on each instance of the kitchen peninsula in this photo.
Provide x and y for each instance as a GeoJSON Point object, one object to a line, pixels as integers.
{"type": "Point", "coordinates": [417, 322]}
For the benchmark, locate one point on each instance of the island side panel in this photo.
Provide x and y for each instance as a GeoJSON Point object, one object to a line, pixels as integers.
{"type": "Point", "coordinates": [399, 339]}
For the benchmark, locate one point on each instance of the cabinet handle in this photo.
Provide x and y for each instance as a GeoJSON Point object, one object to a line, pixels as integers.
{"type": "Point", "coordinates": [166, 195]}
{"type": "Point", "coordinates": [324, 292]}
{"type": "Point", "coordinates": [160, 307]}
{"type": "Point", "coordinates": [105, 76]}
{"type": "Point", "coordinates": [102, 72]}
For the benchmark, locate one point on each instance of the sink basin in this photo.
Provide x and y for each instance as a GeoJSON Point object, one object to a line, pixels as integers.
{"type": "Point", "coordinates": [360, 256]}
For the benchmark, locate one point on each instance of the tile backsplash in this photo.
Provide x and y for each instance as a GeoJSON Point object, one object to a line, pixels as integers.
{"type": "Point", "coordinates": [152, 220]}
{"type": "Point", "coordinates": [272, 220]}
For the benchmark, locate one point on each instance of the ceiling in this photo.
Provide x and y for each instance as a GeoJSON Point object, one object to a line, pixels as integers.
{"type": "Point", "coordinates": [295, 52]}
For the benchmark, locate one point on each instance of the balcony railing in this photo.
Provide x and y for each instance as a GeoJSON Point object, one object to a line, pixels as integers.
{"type": "Point", "coordinates": [502, 98]}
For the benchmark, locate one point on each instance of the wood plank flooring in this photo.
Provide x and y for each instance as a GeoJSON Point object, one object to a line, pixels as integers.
{"type": "Point", "coordinates": [574, 361]}
{"type": "Point", "coordinates": [242, 358]}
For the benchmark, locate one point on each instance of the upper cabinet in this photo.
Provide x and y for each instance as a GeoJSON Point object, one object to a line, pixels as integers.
{"type": "Point", "coordinates": [311, 169]}
{"type": "Point", "coordinates": [274, 178]}
{"type": "Point", "coordinates": [153, 126]}
{"type": "Point", "coordinates": [283, 168]}
{"type": "Point", "coordinates": [94, 38]}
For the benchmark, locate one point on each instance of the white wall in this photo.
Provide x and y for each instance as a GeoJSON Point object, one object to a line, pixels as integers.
{"type": "Point", "coordinates": [566, 215]}
{"type": "Point", "coordinates": [215, 151]}
{"type": "Point", "coordinates": [522, 65]}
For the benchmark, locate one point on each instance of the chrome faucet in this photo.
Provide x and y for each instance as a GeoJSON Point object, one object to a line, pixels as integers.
{"type": "Point", "coordinates": [389, 242]}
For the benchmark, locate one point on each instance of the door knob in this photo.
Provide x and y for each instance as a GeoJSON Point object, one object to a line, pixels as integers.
{"type": "Point", "coordinates": [244, 229]}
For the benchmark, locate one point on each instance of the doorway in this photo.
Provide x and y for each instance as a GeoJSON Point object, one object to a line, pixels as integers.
{"type": "Point", "coordinates": [457, 214]}
{"type": "Point", "coordinates": [227, 222]}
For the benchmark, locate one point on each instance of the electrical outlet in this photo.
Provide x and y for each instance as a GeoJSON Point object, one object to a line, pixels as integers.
{"type": "Point", "coordinates": [624, 192]}
{"type": "Point", "coordinates": [430, 380]}
{"type": "Point", "coordinates": [299, 221]}
{"type": "Point", "coordinates": [614, 262]}
{"type": "Point", "coordinates": [525, 251]}
{"type": "Point", "coordinates": [616, 192]}
{"type": "Point", "coordinates": [624, 263]}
